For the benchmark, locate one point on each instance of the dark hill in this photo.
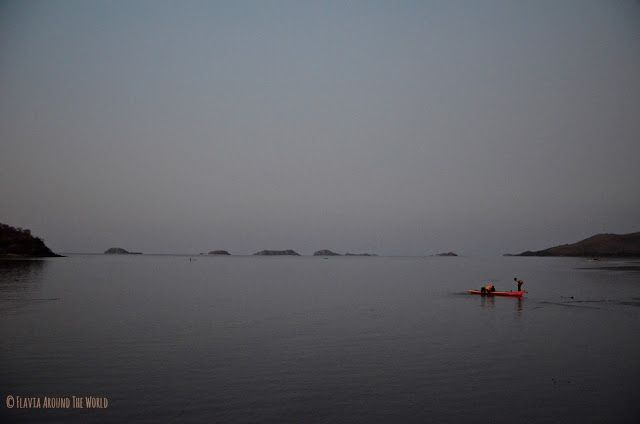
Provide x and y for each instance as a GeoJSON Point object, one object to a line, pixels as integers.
{"type": "Point", "coordinates": [613, 245]}
{"type": "Point", "coordinates": [19, 242]}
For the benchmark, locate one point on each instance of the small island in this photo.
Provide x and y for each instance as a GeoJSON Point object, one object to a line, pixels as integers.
{"type": "Point", "coordinates": [600, 245]}
{"type": "Point", "coordinates": [219, 252]}
{"type": "Point", "coordinates": [19, 242]}
{"type": "Point", "coordinates": [446, 254]}
{"type": "Point", "coordinates": [287, 252]}
{"type": "Point", "coordinates": [325, 252]}
{"type": "Point", "coordinates": [120, 251]}
{"type": "Point", "coordinates": [359, 254]}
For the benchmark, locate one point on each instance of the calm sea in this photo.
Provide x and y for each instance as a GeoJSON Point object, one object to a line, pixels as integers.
{"type": "Point", "coordinates": [315, 340]}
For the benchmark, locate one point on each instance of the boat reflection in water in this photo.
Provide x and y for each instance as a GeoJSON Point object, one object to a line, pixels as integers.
{"type": "Point", "coordinates": [490, 302]}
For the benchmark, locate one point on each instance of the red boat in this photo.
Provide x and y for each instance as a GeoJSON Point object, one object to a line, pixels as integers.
{"type": "Point", "coordinates": [498, 293]}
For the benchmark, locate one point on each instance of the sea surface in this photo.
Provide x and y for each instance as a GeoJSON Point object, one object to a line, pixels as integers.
{"type": "Point", "coordinates": [321, 340]}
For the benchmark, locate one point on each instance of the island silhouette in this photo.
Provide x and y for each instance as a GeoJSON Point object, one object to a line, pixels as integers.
{"type": "Point", "coordinates": [604, 245]}
{"type": "Point", "coordinates": [120, 251]}
{"type": "Point", "coordinates": [19, 242]}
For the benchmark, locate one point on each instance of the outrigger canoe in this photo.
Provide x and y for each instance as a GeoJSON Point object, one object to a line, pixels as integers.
{"type": "Point", "coordinates": [498, 293]}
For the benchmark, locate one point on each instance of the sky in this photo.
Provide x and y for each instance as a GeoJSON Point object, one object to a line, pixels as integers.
{"type": "Point", "coordinates": [398, 128]}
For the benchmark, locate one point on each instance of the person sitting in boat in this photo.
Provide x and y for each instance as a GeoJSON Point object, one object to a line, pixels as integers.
{"type": "Point", "coordinates": [519, 283]}
{"type": "Point", "coordinates": [487, 288]}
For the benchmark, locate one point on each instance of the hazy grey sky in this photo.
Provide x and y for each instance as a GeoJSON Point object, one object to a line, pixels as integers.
{"type": "Point", "coordinates": [392, 127]}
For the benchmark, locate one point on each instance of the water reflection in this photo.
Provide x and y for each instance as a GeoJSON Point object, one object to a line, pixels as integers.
{"type": "Point", "coordinates": [488, 301]}
{"type": "Point", "coordinates": [20, 279]}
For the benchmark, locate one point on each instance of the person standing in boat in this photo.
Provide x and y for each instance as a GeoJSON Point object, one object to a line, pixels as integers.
{"type": "Point", "coordinates": [519, 283]}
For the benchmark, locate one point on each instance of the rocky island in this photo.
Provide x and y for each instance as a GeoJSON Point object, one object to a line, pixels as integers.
{"type": "Point", "coordinates": [18, 242]}
{"type": "Point", "coordinates": [605, 245]}
{"type": "Point", "coordinates": [120, 251]}
{"type": "Point", "coordinates": [325, 252]}
{"type": "Point", "coordinates": [219, 252]}
{"type": "Point", "coordinates": [446, 254]}
{"type": "Point", "coordinates": [359, 254]}
{"type": "Point", "coordinates": [287, 252]}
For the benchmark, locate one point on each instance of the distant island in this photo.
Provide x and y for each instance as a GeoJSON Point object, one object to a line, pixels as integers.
{"type": "Point", "coordinates": [288, 252]}
{"type": "Point", "coordinates": [359, 254]}
{"type": "Point", "coordinates": [325, 252]}
{"type": "Point", "coordinates": [446, 254]}
{"type": "Point", "coordinates": [120, 251]}
{"type": "Point", "coordinates": [219, 252]}
{"type": "Point", "coordinates": [605, 245]}
{"type": "Point", "coordinates": [18, 242]}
